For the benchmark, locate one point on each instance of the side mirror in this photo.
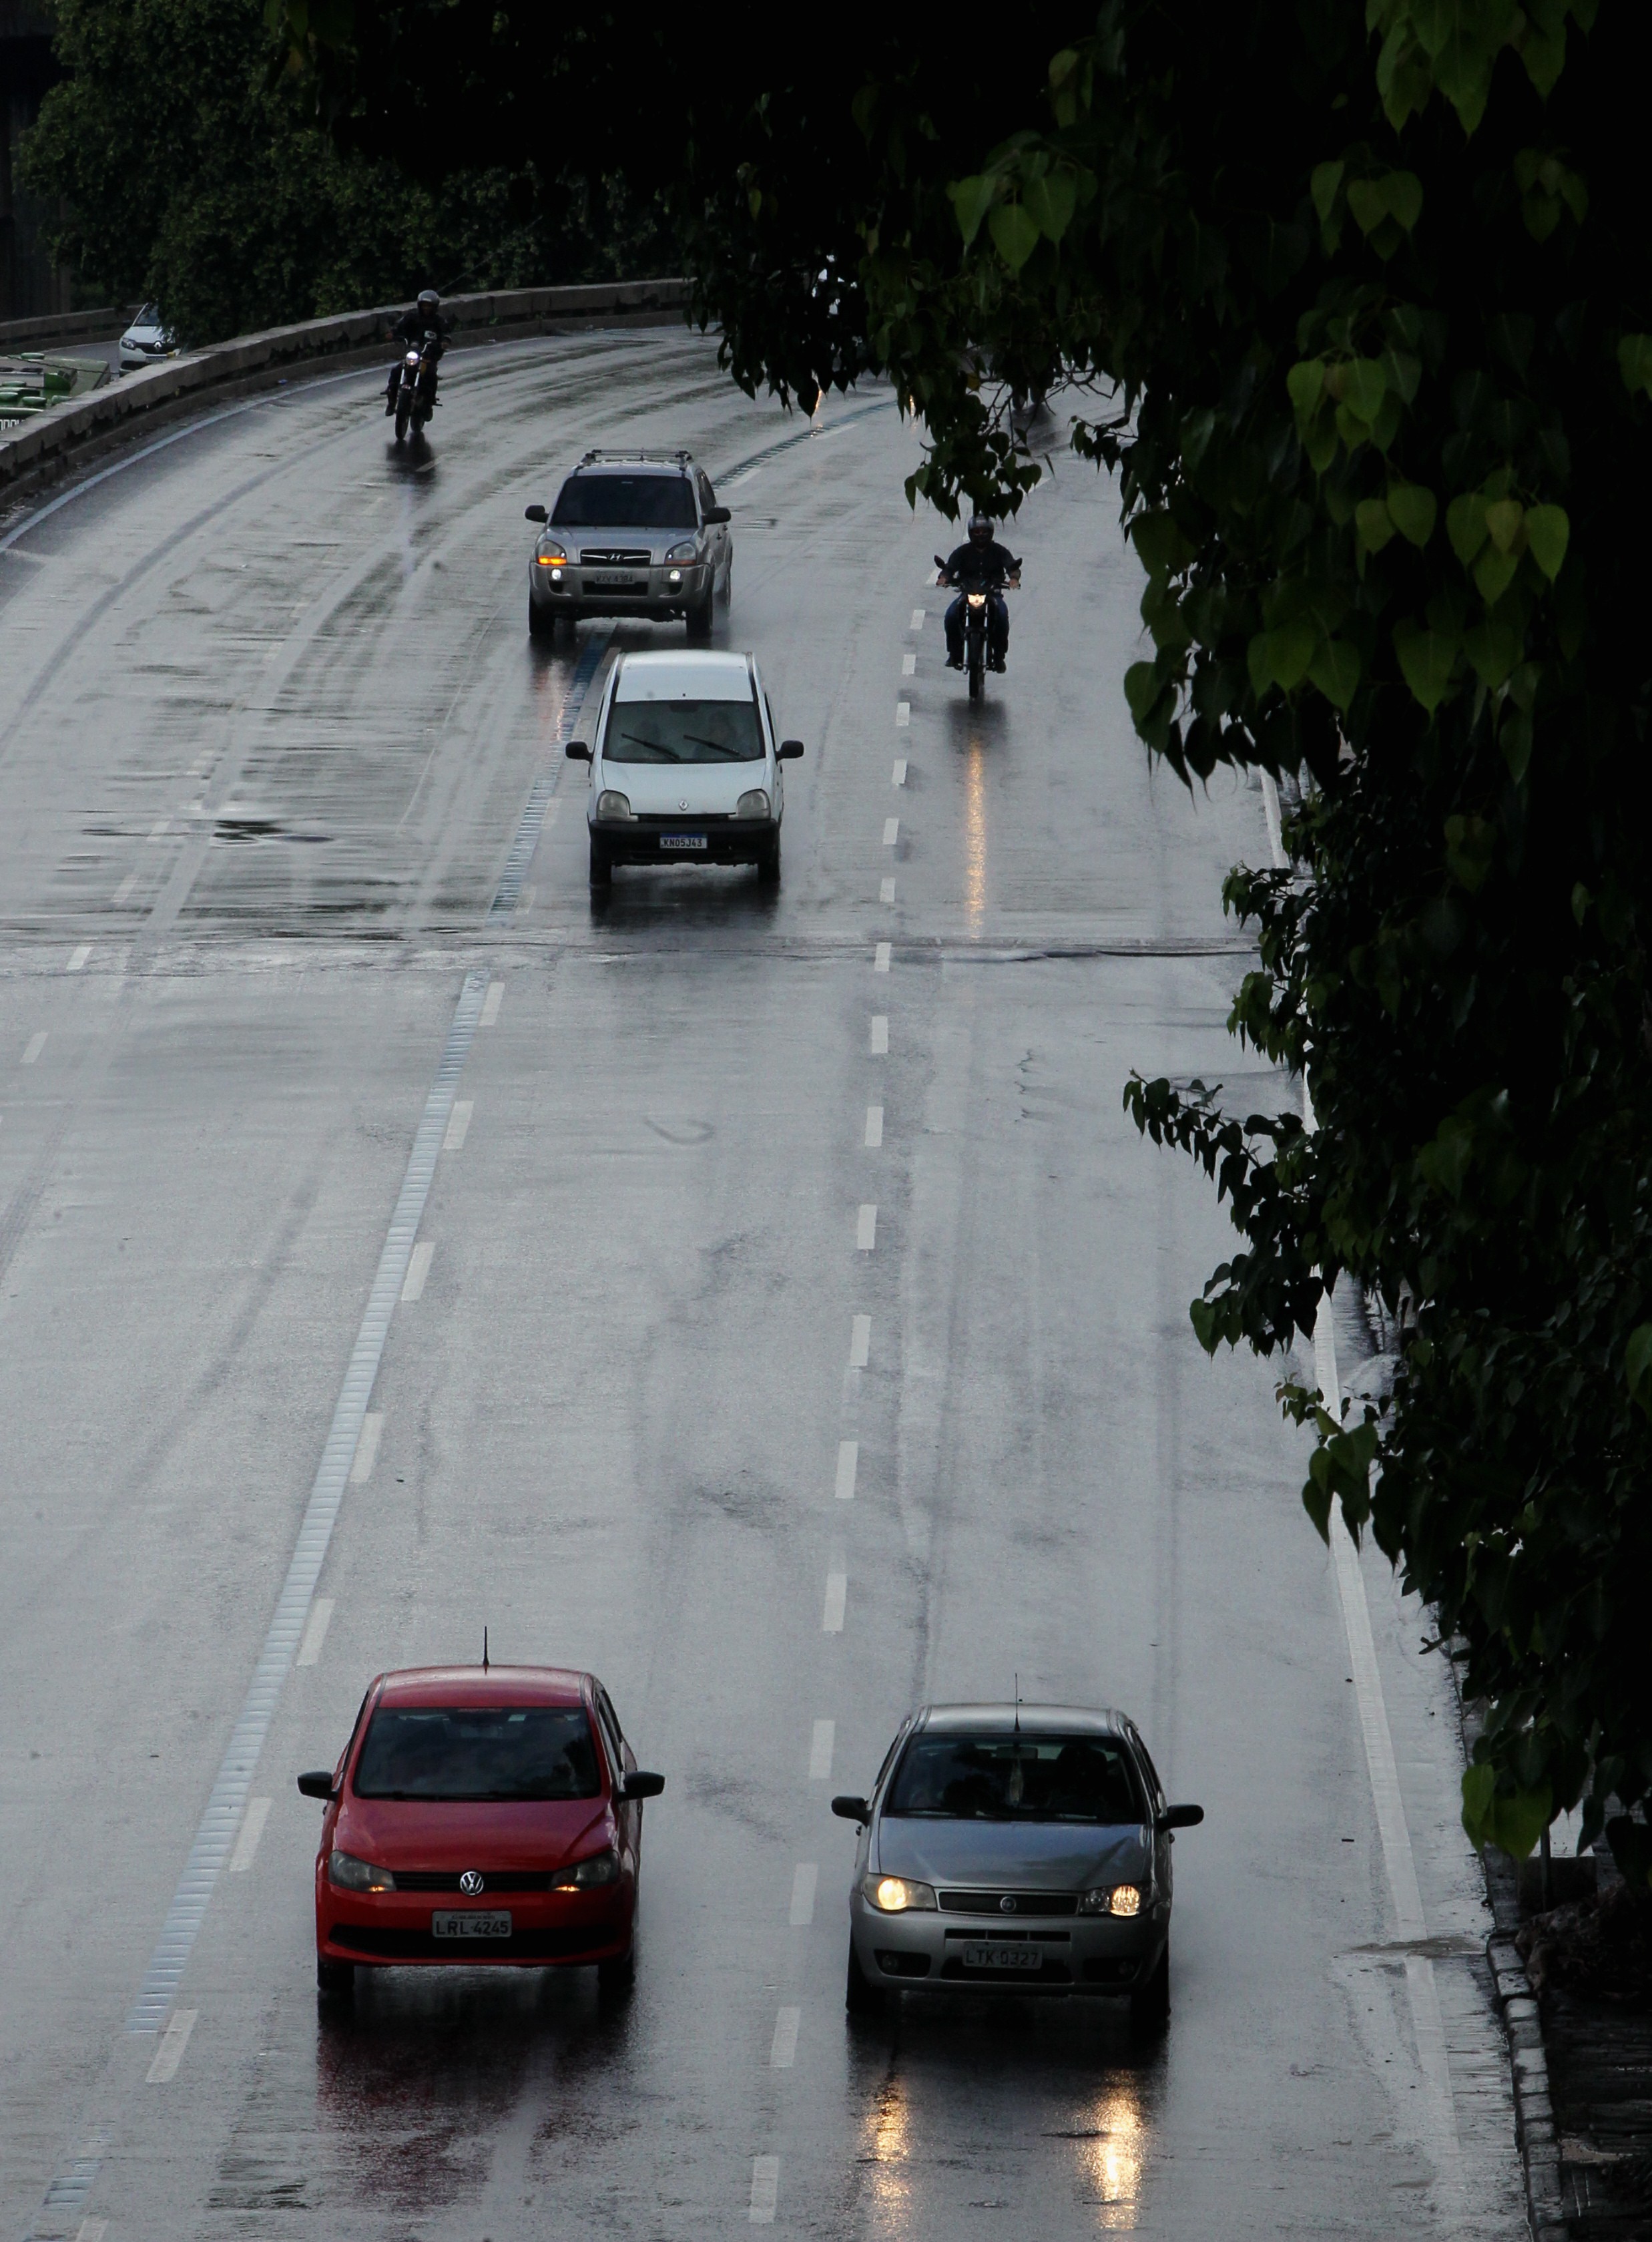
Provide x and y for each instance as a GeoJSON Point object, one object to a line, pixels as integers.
{"type": "Point", "coordinates": [852, 1810]}
{"type": "Point", "coordinates": [316, 1784]}
{"type": "Point", "coordinates": [789, 751]}
{"type": "Point", "coordinates": [577, 752]}
{"type": "Point", "coordinates": [534, 514]}
{"type": "Point", "coordinates": [1181, 1817]}
{"type": "Point", "coordinates": [638, 1785]}
{"type": "Point", "coordinates": [716, 514]}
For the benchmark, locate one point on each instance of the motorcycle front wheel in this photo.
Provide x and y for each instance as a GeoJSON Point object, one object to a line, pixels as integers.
{"type": "Point", "coordinates": [402, 410]}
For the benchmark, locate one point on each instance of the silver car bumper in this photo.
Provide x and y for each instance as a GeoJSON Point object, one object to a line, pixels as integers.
{"type": "Point", "coordinates": [948, 1953]}
{"type": "Point", "coordinates": [651, 591]}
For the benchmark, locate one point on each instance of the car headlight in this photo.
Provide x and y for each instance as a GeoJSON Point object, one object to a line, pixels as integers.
{"type": "Point", "coordinates": [897, 1895]}
{"type": "Point", "coordinates": [1111, 1899]}
{"type": "Point", "coordinates": [754, 804]}
{"type": "Point", "coordinates": [343, 1869]}
{"type": "Point", "coordinates": [598, 1869]}
{"type": "Point", "coordinates": [552, 556]}
{"type": "Point", "coordinates": [683, 552]}
{"type": "Point", "coordinates": [610, 804]}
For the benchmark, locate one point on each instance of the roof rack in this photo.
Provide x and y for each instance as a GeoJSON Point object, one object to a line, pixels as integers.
{"type": "Point", "coordinates": [602, 459]}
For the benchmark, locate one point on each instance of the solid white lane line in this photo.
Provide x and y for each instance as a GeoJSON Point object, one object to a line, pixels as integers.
{"type": "Point", "coordinates": [35, 1045]}
{"type": "Point", "coordinates": [909, 664]}
{"type": "Point", "coordinates": [879, 963]}
{"type": "Point", "coordinates": [837, 1596]}
{"type": "Point", "coordinates": [765, 2190]}
{"type": "Point", "coordinates": [917, 622]}
{"type": "Point", "coordinates": [874, 1127]}
{"type": "Point", "coordinates": [491, 1003]}
{"type": "Point", "coordinates": [890, 831]}
{"type": "Point", "coordinates": [897, 774]}
{"type": "Point", "coordinates": [805, 1877]}
{"type": "Point", "coordinates": [866, 1229]}
{"type": "Point", "coordinates": [123, 892]}
{"type": "Point", "coordinates": [77, 957]}
{"type": "Point", "coordinates": [246, 1844]}
{"type": "Point", "coordinates": [885, 892]}
{"type": "Point", "coordinates": [903, 714]}
{"type": "Point", "coordinates": [174, 2040]}
{"type": "Point", "coordinates": [315, 1632]}
{"type": "Point", "coordinates": [458, 1122]}
{"type": "Point", "coordinates": [417, 1269]}
{"type": "Point", "coordinates": [367, 1447]}
{"type": "Point", "coordinates": [783, 2050]}
{"type": "Point", "coordinates": [848, 1464]}
{"type": "Point", "coordinates": [880, 1034]}
{"type": "Point", "coordinates": [820, 1745]}
{"type": "Point", "coordinates": [859, 1341]}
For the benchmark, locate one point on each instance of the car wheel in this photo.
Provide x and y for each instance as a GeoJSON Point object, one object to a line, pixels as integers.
{"type": "Point", "coordinates": [699, 620]}
{"type": "Point", "coordinates": [861, 1999]}
{"type": "Point", "coordinates": [768, 865]}
{"type": "Point", "coordinates": [618, 1974]}
{"type": "Point", "coordinates": [542, 622]}
{"type": "Point", "coordinates": [601, 867]}
{"type": "Point", "coordinates": [1150, 2003]}
{"type": "Point", "coordinates": [335, 1981]}
{"type": "Point", "coordinates": [728, 585]}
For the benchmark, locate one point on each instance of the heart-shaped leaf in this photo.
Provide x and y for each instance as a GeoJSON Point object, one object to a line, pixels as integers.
{"type": "Point", "coordinates": [1364, 386]}
{"type": "Point", "coordinates": [1306, 383]}
{"type": "Point", "coordinates": [1519, 1821]}
{"type": "Point", "coordinates": [1367, 204]}
{"type": "Point", "coordinates": [971, 199]}
{"type": "Point", "coordinates": [1493, 573]}
{"type": "Point", "coordinates": [1335, 670]}
{"type": "Point", "coordinates": [1015, 234]}
{"type": "Point", "coordinates": [1466, 525]}
{"type": "Point", "coordinates": [1503, 518]}
{"type": "Point", "coordinates": [1050, 203]}
{"type": "Point", "coordinates": [1634, 362]}
{"type": "Point", "coordinates": [1547, 532]}
{"type": "Point", "coordinates": [1372, 526]}
{"type": "Point", "coordinates": [1427, 659]}
{"type": "Point", "coordinates": [1479, 1793]}
{"type": "Point", "coordinates": [1141, 688]}
{"type": "Point", "coordinates": [1412, 511]}
{"type": "Point", "coordinates": [1494, 648]}
{"type": "Point", "coordinates": [1158, 540]}
{"type": "Point", "coordinates": [1281, 657]}
{"type": "Point", "coordinates": [1322, 185]}
{"type": "Point", "coordinates": [1402, 191]}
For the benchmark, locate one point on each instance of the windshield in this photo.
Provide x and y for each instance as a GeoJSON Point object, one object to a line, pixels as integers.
{"type": "Point", "coordinates": [999, 1778]}
{"type": "Point", "coordinates": [625, 502]}
{"type": "Point", "coordinates": [682, 732]}
{"type": "Point", "coordinates": [536, 1751]}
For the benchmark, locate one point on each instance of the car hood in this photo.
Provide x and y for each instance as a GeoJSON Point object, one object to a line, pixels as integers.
{"type": "Point", "coordinates": [621, 540]}
{"type": "Point", "coordinates": [1027, 1855]}
{"type": "Point", "coordinates": [405, 1833]}
{"type": "Point", "coordinates": [657, 789]}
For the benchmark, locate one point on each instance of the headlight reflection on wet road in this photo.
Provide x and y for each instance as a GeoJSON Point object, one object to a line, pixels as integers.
{"type": "Point", "coordinates": [1111, 2158]}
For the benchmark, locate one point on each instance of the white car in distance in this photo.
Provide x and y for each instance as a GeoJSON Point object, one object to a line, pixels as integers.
{"type": "Point", "coordinates": [147, 340]}
{"type": "Point", "coordinates": [684, 766]}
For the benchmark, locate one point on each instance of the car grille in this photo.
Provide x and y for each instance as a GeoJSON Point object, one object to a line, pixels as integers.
{"type": "Point", "coordinates": [615, 560]}
{"type": "Point", "coordinates": [690, 817]}
{"type": "Point", "coordinates": [989, 1902]}
{"type": "Point", "coordinates": [493, 1880]}
{"type": "Point", "coordinates": [394, 1945]}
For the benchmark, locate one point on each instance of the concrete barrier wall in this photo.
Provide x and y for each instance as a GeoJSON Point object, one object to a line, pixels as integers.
{"type": "Point", "coordinates": [58, 330]}
{"type": "Point", "coordinates": [54, 441]}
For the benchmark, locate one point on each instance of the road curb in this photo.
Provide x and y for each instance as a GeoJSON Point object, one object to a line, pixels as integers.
{"type": "Point", "coordinates": [1528, 2063]}
{"type": "Point", "coordinates": [55, 442]}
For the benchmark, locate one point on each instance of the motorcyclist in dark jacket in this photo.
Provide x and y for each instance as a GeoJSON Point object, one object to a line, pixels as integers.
{"type": "Point", "coordinates": [982, 565]}
{"type": "Point", "coordinates": [410, 331]}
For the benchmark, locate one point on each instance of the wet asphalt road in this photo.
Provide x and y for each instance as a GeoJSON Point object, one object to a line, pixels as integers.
{"type": "Point", "coordinates": [269, 724]}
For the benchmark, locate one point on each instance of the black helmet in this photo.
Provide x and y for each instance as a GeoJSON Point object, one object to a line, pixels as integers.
{"type": "Point", "coordinates": [429, 300]}
{"type": "Point", "coordinates": [980, 529]}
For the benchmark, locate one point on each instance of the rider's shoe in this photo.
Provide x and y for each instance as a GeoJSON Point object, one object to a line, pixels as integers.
{"type": "Point", "coordinates": [954, 661]}
{"type": "Point", "coordinates": [390, 406]}
{"type": "Point", "coordinates": [995, 661]}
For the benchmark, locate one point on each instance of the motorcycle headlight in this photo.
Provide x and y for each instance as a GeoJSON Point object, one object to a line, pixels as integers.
{"type": "Point", "coordinates": [897, 1895]}
{"type": "Point", "coordinates": [684, 551]}
{"type": "Point", "coordinates": [1111, 1899]}
{"type": "Point", "coordinates": [978, 598]}
{"type": "Point", "coordinates": [579, 1876]}
{"type": "Point", "coordinates": [610, 804]}
{"type": "Point", "coordinates": [351, 1874]}
{"type": "Point", "coordinates": [754, 804]}
{"type": "Point", "coordinates": [411, 358]}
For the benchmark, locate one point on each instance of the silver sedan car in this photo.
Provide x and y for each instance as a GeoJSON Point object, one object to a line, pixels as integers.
{"type": "Point", "coordinates": [1015, 1849]}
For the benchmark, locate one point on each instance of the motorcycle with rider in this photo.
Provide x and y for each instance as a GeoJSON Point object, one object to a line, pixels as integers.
{"type": "Point", "coordinates": [977, 620]}
{"type": "Point", "coordinates": [410, 393]}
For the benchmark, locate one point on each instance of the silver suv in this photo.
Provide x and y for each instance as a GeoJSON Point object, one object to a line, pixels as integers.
{"type": "Point", "coordinates": [632, 534]}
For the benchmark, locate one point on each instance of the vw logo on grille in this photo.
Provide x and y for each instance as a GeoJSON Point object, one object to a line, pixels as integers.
{"type": "Point", "coordinates": [471, 1883]}
{"type": "Point", "coordinates": [1006, 1905]}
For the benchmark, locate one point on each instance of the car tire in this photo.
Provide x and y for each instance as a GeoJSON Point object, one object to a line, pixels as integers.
{"type": "Point", "coordinates": [728, 585]}
{"type": "Point", "coordinates": [1150, 2003]}
{"type": "Point", "coordinates": [698, 619]}
{"type": "Point", "coordinates": [602, 870]}
{"type": "Point", "coordinates": [861, 1997]}
{"type": "Point", "coordinates": [542, 622]}
{"type": "Point", "coordinates": [618, 1974]}
{"type": "Point", "coordinates": [768, 865]}
{"type": "Point", "coordinates": [335, 1981]}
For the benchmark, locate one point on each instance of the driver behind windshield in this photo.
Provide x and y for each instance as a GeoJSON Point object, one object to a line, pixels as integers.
{"type": "Point", "coordinates": [982, 565]}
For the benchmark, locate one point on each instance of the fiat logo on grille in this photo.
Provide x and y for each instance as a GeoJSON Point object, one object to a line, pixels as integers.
{"type": "Point", "coordinates": [471, 1883]}
{"type": "Point", "coordinates": [1006, 1905]}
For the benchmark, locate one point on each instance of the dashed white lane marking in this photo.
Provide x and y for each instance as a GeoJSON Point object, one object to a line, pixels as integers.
{"type": "Point", "coordinates": [77, 957]}
{"type": "Point", "coordinates": [897, 774]}
{"type": "Point", "coordinates": [837, 1597]}
{"type": "Point", "coordinates": [848, 1464]}
{"type": "Point", "coordinates": [890, 831]}
{"type": "Point", "coordinates": [246, 1843]}
{"type": "Point", "coordinates": [879, 1043]}
{"type": "Point", "coordinates": [885, 892]}
{"type": "Point", "coordinates": [91, 2229]}
{"type": "Point", "coordinates": [315, 1631]}
{"type": "Point", "coordinates": [174, 2040]}
{"type": "Point", "coordinates": [123, 894]}
{"type": "Point", "coordinates": [860, 1342]}
{"type": "Point", "coordinates": [917, 622]}
{"type": "Point", "coordinates": [820, 1743]}
{"type": "Point", "coordinates": [805, 1877]}
{"type": "Point", "coordinates": [879, 961]}
{"type": "Point", "coordinates": [35, 1045]}
{"type": "Point", "coordinates": [417, 1269]}
{"type": "Point", "coordinates": [874, 1127]}
{"type": "Point", "coordinates": [903, 714]}
{"type": "Point", "coordinates": [160, 828]}
{"type": "Point", "coordinates": [491, 1003]}
{"type": "Point", "coordinates": [909, 661]}
{"type": "Point", "coordinates": [783, 2049]}
{"type": "Point", "coordinates": [525, 900]}
{"type": "Point", "coordinates": [372, 1426]}
{"type": "Point", "coordinates": [765, 2179]}
{"type": "Point", "coordinates": [866, 1229]}
{"type": "Point", "coordinates": [457, 1122]}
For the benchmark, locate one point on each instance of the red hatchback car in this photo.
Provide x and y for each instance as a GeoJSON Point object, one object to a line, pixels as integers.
{"type": "Point", "coordinates": [480, 1814]}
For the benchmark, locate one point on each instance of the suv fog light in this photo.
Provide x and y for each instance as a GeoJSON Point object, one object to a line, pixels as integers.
{"type": "Point", "coordinates": [610, 804]}
{"type": "Point", "coordinates": [673, 575]}
{"type": "Point", "coordinates": [755, 804]}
